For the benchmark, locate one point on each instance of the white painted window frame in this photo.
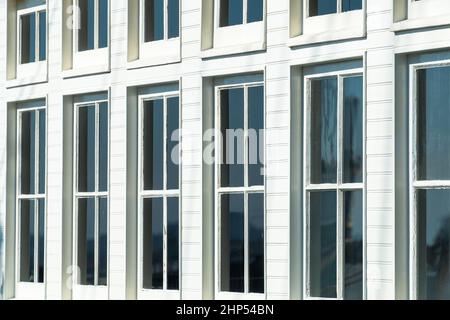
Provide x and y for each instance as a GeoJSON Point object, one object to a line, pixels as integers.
{"type": "Point", "coordinates": [36, 289]}
{"type": "Point", "coordinates": [20, 13]}
{"type": "Point", "coordinates": [414, 183]}
{"type": "Point", "coordinates": [166, 22]}
{"type": "Point", "coordinates": [246, 190]}
{"type": "Point", "coordinates": [340, 188]}
{"type": "Point", "coordinates": [90, 291]}
{"type": "Point", "coordinates": [155, 294]}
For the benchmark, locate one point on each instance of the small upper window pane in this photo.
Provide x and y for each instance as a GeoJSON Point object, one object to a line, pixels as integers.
{"type": "Point", "coordinates": [42, 35]}
{"type": "Point", "coordinates": [255, 10]}
{"type": "Point", "coordinates": [322, 7]}
{"type": "Point", "coordinates": [231, 12]}
{"type": "Point", "coordinates": [174, 18]}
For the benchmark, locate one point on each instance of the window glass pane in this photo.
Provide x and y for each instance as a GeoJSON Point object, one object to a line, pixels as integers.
{"type": "Point", "coordinates": [256, 242]}
{"type": "Point", "coordinates": [153, 245]}
{"type": "Point", "coordinates": [322, 7]}
{"type": "Point", "coordinates": [353, 232]}
{"type": "Point", "coordinates": [153, 145]}
{"type": "Point", "coordinates": [28, 35]}
{"type": "Point", "coordinates": [87, 22]}
{"type": "Point", "coordinates": [323, 259]}
{"type": "Point", "coordinates": [41, 244]}
{"type": "Point", "coordinates": [28, 152]}
{"type": "Point", "coordinates": [232, 243]}
{"type": "Point", "coordinates": [102, 241]}
{"type": "Point", "coordinates": [174, 18]}
{"type": "Point", "coordinates": [173, 140]}
{"type": "Point", "coordinates": [102, 23]}
{"type": "Point", "coordinates": [42, 35]}
{"type": "Point", "coordinates": [173, 249]}
{"type": "Point", "coordinates": [256, 136]}
{"type": "Point", "coordinates": [154, 20]}
{"type": "Point", "coordinates": [103, 147]}
{"type": "Point", "coordinates": [324, 131]}
{"type": "Point", "coordinates": [232, 129]}
{"type": "Point", "coordinates": [86, 241]}
{"type": "Point", "coordinates": [433, 121]}
{"type": "Point", "coordinates": [353, 130]}
{"type": "Point", "coordinates": [27, 236]}
{"type": "Point", "coordinates": [349, 5]}
{"type": "Point", "coordinates": [433, 244]}
{"type": "Point", "coordinates": [231, 12]}
{"type": "Point", "coordinates": [86, 149]}
{"type": "Point", "coordinates": [42, 151]}
{"type": "Point", "coordinates": [255, 10]}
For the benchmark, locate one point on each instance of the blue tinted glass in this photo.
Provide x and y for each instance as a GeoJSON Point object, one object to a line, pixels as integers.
{"type": "Point", "coordinates": [86, 241]}
{"type": "Point", "coordinates": [433, 244]}
{"type": "Point", "coordinates": [324, 131]}
{"type": "Point", "coordinates": [153, 246]}
{"type": "Point", "coordinates": [433, 120]}
{"type": "Point", "coordinates": [353, 232]}
{"type": "Point", "coordinates": [103, 147]}
{"type": "Point", "coordinates": [173, 249]}
{"type": "Point", "coordinates": [349, 5]}
{"type": "Point", "coordinates": [256, 242]}
{"type": "Point", "coordinates": [42, 152]}
{"type": "Point", "coordinates": [154, 20]}
{"type": "Point", "coordinates": [153, 145]}
{"type": "Point", "coordinates": [28, 35]}
{"type": "Point", "coordinates": [353, 130]}
{"type": "Point", "coordinates": [87, 22]}
{"type": "Point", "coordinates": [86, 149]}
{"type": "Point", "coordinates": [173, 140]}
{"type": "Point", "coordinates": [42, 36]}
{"type": "Point", "coordinates": [231, 12]}
{"type": "Point", "coordinates": [323, 258]}
{"type": "Point", "coordinates": [322, 7]}
{"type": "Point", "coordinates": [28, 153]}
{"type": "Point", "coordinates": [102, 23]}
{"type": "Point", "coordinates": [232, 129]}
{"type": "Point", "coordinates": [256, 136]}
{"type": "Point", "coordinates": [102, 241]}
{"type": "Point", "coordinates": [232, 243]}
{"type": "Point", "coordinates": [41, 244]}
{"type": "Point", "coordinates": [174, 18]}
{"type": "Point", "coordinates": [27, 226]}
{"type": "Point", "coordinates": [255, 10]}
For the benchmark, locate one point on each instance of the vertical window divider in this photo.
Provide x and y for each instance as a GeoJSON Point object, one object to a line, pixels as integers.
{"type": "Point", "coordinates": [165, 197]}
{"type": "Point", "coordinates": [246, 184]}
{"type": "Point", "coordinates": [37, 35]}
{"type": "Point", "coordinates": [97, 189]}
{"type": "Point", "coordinates": [245, 11]}
{"type": "Point", "coordinates": [96, 25]}
{"type": "Point", "coordinates": [339, 193]}
{"type": "Point", "coordinates": [166, 20]}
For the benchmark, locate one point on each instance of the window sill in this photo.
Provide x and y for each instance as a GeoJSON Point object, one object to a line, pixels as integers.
{"type": "Point", "coordinates": [336, 35]}
{"type": "Point", "coordinates": [420, 23]}
{"type": "Point", "coordinates": [79, 72]}
{"type": "Point", "coordinates": [90, 293]}
{"type": "Point", "coordinates": [172, 295]}
{"type": "Point", "coordinates": [232, 50]}
{"type": "Point", "coordinates": [230, 296]}
{"type": "Point", "coordinates": [30, 291]}
{"type": "Point", "coordinates": [157, 53]}
{"type": "Point", "coordinates": [28, 74]}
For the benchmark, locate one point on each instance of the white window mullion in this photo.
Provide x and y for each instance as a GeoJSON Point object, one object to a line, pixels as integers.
{"type": "Point", "coordinates": [96, 23]}
{"type": "Point", "coordinates": [340, 244]}
{"type": "Point", "coordinates": [246, 185]}
{"type": "Point", "coordinates": [165, 198]}
{"type": "Point", "coordinates": [166, 19]}
{"type": "Point", "coordinates": [36, 37]}
{"type": "Point", "coordinates": [339, 6]}
{"type": "Point", "coordinates": [244, 11]}
{"type": "Point", "coordinates": [36, 191]}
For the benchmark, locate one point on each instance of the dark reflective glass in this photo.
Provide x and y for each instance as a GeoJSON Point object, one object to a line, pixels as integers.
{"type": "Point", "coordinates": [86, 241]}
{"type": "Point", "coordinates": [28, 36]}
{"type": "Point", "coordinates": [42, 150]}
{"type": "Point", "coordinates": [256, 136]}
{"type": "Point", "coordinates": [103, 147]}
{"type": "Point", "coordinates": [173, 140]}
{"type": "Point", "coordinates": [255, 10]}
{"type": "Point", "coordinates": [153, 145]}
{"type": "Point", "coordinates": [102, 241]}
{"type": "Point", "coordinates": [323, 247]}
{"type": "Point", "coordinates": [27, 243]}
{"type": "Point", "coordinates": [153, 246]}
{"type": "Point", "coordinates": [174, 18]}
{"type": "Point", "coordinates": [322, 7]}
{"type": "Point", "coordinates": [353, 130]}
{"type": "Point", "coordinates": [231, 12]}
{"type": "Point", "coordinates": [87, 23]}
{"type": "Point", "coordinates": [433, 122]}
{"type": "Point", "coordinates": [154, 20]}
{"type": "Point", "coordinates": [173, 249]}
{"type": "Point", "coordinates": [324, 131]}
{"type": "Point", "coordinates": [433, 223]}
{"type": "Point", "coordinates": [232, 129]}
{"type": "Point", "coordinates": [102, 23]}
{"type": "Point", "coordinates": [86, 149]}
{"type": "Point", "coordinates": [42, 35]}
{"type": "Point", "coordinates": [353, 233]}
{"type": "Point", "coordinates": [41, 244]}
{"type": "Point", "coordinates": [28, 153]}
{"type": "Point", "coordinates": [232, 243]}
{"type": "Point", "coordinates": [256, 242]}
{"type": "Point", "coordinates": [349, 5]}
